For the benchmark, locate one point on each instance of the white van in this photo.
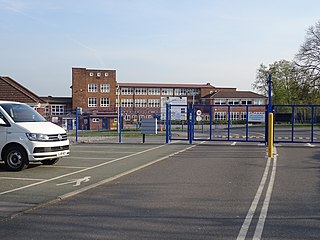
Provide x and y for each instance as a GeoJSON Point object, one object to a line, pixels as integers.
{"type": "Point", "coordinates": [25, 136]}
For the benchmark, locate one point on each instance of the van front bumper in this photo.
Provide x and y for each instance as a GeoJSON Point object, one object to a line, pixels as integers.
{"type": "Point", "coordinates": [47, 151]}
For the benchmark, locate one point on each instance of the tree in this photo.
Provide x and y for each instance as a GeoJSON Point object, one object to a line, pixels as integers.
{"type": "Point", "coordinates": [308, 57]}
{"type": "Point", "coordinates": [285, 82]}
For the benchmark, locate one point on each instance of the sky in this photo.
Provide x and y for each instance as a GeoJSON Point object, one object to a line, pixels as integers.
{"type": "Point", "coordinates": [221, 42]}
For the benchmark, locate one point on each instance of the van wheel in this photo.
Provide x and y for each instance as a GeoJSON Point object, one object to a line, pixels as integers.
{"type": "Point", "coordinates": [16, 159]}
{"type": "Point", "coordinates": [50, 161]}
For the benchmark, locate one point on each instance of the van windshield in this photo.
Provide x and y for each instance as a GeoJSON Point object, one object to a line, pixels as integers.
{"type": "Point", "coordinates": [22, 113]}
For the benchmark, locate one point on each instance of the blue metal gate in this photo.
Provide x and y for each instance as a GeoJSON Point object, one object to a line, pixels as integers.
{"type": "Point", "coordinates": [243, 123]}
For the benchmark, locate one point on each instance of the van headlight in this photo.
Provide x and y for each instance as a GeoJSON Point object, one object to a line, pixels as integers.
{"type": "Point", "coordinates": [37, 137]}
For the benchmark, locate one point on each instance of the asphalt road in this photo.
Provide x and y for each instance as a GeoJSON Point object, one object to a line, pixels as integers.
{"type": "Point", "coordinates": [176, 191]}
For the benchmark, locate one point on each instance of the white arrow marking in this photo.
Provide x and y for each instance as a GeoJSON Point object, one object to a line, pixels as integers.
{"type": "Point", "coordinates": [76, 182]}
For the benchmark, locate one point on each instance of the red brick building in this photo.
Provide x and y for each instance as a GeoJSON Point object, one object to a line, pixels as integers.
{"type": "Point", "coordinates": [97, 93]}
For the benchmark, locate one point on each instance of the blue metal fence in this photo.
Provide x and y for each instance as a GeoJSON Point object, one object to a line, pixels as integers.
{"type": "Point", "coordinates": [243, 123]}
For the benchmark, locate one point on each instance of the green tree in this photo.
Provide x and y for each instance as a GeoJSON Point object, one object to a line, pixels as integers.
{"type": "Point", "coordinates": [285, 82]}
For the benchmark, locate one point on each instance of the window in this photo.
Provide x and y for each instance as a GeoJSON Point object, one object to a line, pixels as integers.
{"type": "Point", "coordinates": [126, 102]}
{"type": "Point", "coordinates": [154, 103]}
{"type": "Point", "coordinates": [220, 116]}
{"type": "Point", "coordinates": [91, 74]}
{"type": "Point", "coordinates": [246, 101]}
{"type": "Point", "coordinates": [142, 103]}
{"type": "Point", "coordinates": [167, 91]}
{"type": "Point", "coordinates": [95, 120]}
{"type": "Point", "coordinates": [180, 92]}
{"type": "Point", "coordinates": [127, 118]}
{"type": "Point", "coordinates": [140, 91]}
{"type": "Point", "coordinates": [154, 91]}
{"type": "Point", "coordinates": [98, 74]}
{"type": "Point", "coordinates": [92, 87]}
{"type": "Point", "coordinates": [92, 102]}
{"type": "Point", "coordinates": [104, 102]}
{"type": "Point", "coordinates": [57, 109]}
{"type": "Point", "coordinates": [104, 87]}
{"type": "Point", "coordinates": [243, 115]}
{"type": "Point", "coordinates": [234, 116]}
{"type": "Point", "coordinates": [233, 101]}
{"type": "Point", "coordinates": [220, 101]}
{"type": "Point", "coordinates": [193, 91]}
{"type": "Point", "coordinates": [258, 101]}
{"type": "Point", "coordinates": [127, 91]}
{"type": "Point", "coordinates": [106, 74]}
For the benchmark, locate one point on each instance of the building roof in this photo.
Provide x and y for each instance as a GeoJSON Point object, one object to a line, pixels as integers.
{"type": "Point", "coordinates": [57, 100]}
{"type": "Point", "coordinates": [165, 85]}
{"type": "Point", "coordinates": [11, 90]}
{"type": "Point", "coordinates": [234, 94]}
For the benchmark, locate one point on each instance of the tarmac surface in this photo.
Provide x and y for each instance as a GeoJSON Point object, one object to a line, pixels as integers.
{"type": "Point", "coordinates": [131, 190]}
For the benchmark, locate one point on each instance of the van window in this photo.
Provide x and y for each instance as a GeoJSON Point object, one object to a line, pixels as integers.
{"type": "Point", "coordinates": [22, 113]}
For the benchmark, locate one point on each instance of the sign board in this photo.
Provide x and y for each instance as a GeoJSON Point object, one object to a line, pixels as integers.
{"type": "Point", "coordinates": [256, 117]}
{"type": "Point", "coordinates": [177, 112]}
{"type": "Point", "coordinates": [149, 126]}
{"type": "Point", "coordinates": [198, 118]}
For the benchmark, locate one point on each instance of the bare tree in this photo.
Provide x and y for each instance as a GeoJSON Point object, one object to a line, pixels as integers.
{"type": "Point", "coordinates": [308, 57]}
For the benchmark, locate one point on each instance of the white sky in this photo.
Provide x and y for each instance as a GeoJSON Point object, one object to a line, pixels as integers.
{"type": "Point", "coordinates": [155, 41]}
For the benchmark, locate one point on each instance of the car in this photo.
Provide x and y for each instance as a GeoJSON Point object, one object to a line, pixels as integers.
{"type": "Point", "coordinates": [26, 136]}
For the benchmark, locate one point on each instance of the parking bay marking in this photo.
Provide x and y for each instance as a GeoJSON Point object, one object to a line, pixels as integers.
{"type": "Point", "coordinates": [79, 171]}
{"type": "Point", "coordinates": [23, 179]}
{"type": "Point", "coordinates": [77, 182]}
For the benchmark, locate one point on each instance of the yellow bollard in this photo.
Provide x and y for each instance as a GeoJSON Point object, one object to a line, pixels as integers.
{"type": "Point", "coordinates": [270, 135]}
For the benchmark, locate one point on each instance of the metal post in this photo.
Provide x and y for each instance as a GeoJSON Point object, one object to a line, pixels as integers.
{"type": "Point", "coordinates": [77, 123]}
{"type": "Point", "coordinates": [270, 137]}
{"type": "Point", "coordinates": [120, 124]}
{"type": "Point", "coordinates": [167, 123]}
{"type": "Point", "coordinates": [269, 106]}
{"type": "Point", "coordinates": [229, 122]}
{"type": "Point", "coordinates": [210, 122]}
{"type": "Point", "coordinates": [247, 123]}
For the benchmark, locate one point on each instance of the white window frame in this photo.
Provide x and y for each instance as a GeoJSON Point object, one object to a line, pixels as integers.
{"type": "Point", "coordinates": [57, 109]}
{"type": "Point", "coordinates": [104, 102]}
{"type": "Point", "coordinates": [126, 91]}
{"type": "Point", "coordinates": [167, 91]}
{"type": "Point", "coordinates": [140, 91]}
{"type": "Point", "coordinates": [92, 87]}
{"type": "Point", "coordinates": [154, 103]}
{"type": "Point", "coordinates": [140, 103]}
{"type": "Point", "coordinates": [105, 87]}
{"type": "Point", "coordinates": [127, 102]}
{"type": "Point", "coordinates": [220, 116]}
{"type": "Point", "coordinates": [154, 91]}
{"type": "Point", "coordinates": [92, 102]}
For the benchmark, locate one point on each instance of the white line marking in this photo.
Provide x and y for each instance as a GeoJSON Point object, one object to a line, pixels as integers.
{"type": "Point", "coordinates": [233, 144]}
{"type": "Point", "coordinates": [123, 174]}
{"type": "Point", "coordinates": [310, 145]}
{"type": "Point", "coordinates": [104, 152]}
{"type": "Point", "coordinates": [246, 224]}
{"type": "Point", "coordinates": [61, 166]}
{"type": "Point", "coordinates": [266, 203]}
{"type": "Point", "coordinates": [104, 158]}
{"type": "Point", "coordinates": [82, 170]}
{"type": "Point", "coordinates": [22, 179]}
{"type": "Point", "coordinates": [77, 182]}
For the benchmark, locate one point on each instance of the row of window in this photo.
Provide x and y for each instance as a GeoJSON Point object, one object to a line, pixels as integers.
{"type": "Point", "coordinates": [104, 102]}
{"type": "Point", "coordinates": [93, 87]}
{"type": "Point", "coordinates": [98, 74]}
{"type": "Point", "coordinates": [142, 103]}
{"type": "Point", "coordinates": [160, 91]}
{"type": "Point", "coordinates": [234, 101]}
